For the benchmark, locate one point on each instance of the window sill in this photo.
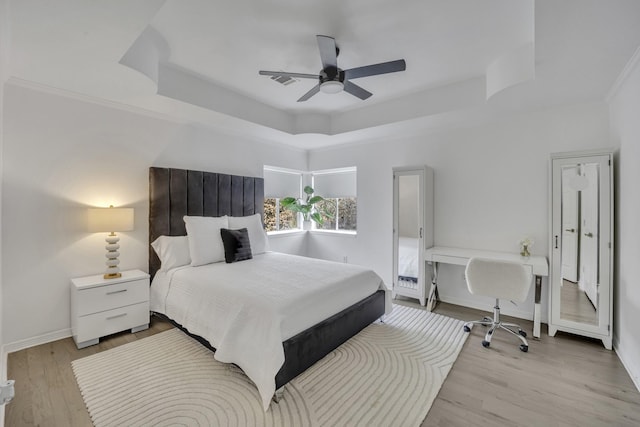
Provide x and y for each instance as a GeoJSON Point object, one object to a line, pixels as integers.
{"type": "Point", "coordinates": [337, 233]}
{"type": "Point", "coordinates": [284, 233]}
{"type": "Point", "coordinates": [298, 231]}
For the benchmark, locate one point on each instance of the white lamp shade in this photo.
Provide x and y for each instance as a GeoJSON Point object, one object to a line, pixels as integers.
{"type": "Point", "coordinates": [110, 219]}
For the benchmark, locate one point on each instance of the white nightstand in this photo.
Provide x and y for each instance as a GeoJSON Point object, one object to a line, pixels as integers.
{"type": "Point", "coordinates": [102, 306]}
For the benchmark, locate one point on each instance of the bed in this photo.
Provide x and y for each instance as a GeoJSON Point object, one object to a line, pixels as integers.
{"type": "Point", "coordinates": [303, 330]}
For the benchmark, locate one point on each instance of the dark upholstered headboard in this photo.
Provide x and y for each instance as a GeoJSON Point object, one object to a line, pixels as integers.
{"type": "Point", "coordinates": [174, 193]}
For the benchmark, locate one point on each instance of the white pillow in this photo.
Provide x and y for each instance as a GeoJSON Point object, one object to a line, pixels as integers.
{"type": "Point", "coordinates": [205, 242]}
{"type": "Point", "coordinates": [173, 251]}
{"type": "Point", "coordinates": [257, 235]}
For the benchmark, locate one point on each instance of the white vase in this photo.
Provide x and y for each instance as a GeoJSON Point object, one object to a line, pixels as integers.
{"type": "Point", "coordinates": [306, 225]}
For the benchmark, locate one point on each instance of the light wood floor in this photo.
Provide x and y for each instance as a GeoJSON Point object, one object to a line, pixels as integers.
{"type": "Point", "coordinates": [575, 304]}
{"type": "Point", "coordinates": [561, 381]}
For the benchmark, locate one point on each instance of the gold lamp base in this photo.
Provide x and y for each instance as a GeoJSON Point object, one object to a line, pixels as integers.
{"type": "Point", "coordinates": [112, 275]}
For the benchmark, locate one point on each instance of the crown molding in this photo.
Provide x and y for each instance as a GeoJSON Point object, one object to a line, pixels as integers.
{"type": "Point", "coordinates": [28, 84]}
{"type": "Point", "coordinates": [623, 76]}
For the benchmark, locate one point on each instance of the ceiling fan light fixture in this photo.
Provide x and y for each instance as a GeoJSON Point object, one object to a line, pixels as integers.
{"type": "Point", "coordinates": [332, 79]}
{"type": "Point", "coordinates": [331, 86]}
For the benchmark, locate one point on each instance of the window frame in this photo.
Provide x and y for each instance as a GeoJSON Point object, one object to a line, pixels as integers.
{"type": "Point", "coordinates": [304, 179]}
{"type": "Point", "coordinates": [336, 200]}
{"type": "Point", "coordinates": [298, 227]}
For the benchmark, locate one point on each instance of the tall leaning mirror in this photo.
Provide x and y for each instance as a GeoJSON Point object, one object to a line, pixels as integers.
{"type": "Point", "coordinates": [412, 229]}
{"type": "Point", "coordinates": [581, 244]}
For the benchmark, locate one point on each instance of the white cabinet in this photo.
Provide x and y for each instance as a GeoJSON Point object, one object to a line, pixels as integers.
{"type": "Point", "coordinates": [412, 229]}
{"type": "Point", "coordinates": [102, 306]}
{"type": "Point", "coordinates": [582, 244]}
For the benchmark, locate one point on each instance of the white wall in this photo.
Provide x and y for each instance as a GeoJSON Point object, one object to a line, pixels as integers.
{"type": "Point", "coordinates": [490, 189]}
{"type": "Point", "coordinates": [62, 155]}
{"type": "Point", "coordinates": [625, 128]}
{"type": "Point", "coordinates": [4, 73]}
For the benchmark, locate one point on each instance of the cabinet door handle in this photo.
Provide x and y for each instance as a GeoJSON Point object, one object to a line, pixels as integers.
{"type": "Point", "coordinates": [588, 234]}
{"type": "Point", "coordinates": [116, 316]}
{"type": "Point", "coordinates": [116, 292]}
{"type": "Point", "coordinates": [556, 242]}
{"type": "Point", "coordinates": [570, 230]}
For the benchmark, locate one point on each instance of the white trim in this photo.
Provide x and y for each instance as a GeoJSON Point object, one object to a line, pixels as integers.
{"type": "Point", "coordinates": [28, 84]}
{"type": "Point", "coordinates": [338, 233]}
{"type": "Point", "coordinates": [285, 233]}
{"type": "Point", "coordinates": [621, 353]}
{"type": "Point", "coordinates": [34, 341]}
{"type": "Point", "coordinates": [283, 170]}
{"type": "Point", "coordinates": [336, 170]}
{"type": "Point", "coordinates": [605, 151]}
{"type": "Point", "coordinates": [622, 77]}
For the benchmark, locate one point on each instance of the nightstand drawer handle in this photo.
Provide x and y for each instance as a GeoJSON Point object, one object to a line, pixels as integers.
{"type": "Point", "coordinates": [116, 316]}
{"type": "Point", "coordinates": [116, 292]}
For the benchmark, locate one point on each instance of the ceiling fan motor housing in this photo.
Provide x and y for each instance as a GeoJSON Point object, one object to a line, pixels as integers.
{"type": "Point", "coordinates": [331, 74]}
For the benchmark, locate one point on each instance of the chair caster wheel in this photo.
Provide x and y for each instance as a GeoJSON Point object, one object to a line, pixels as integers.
{"type": "Point", "coordinates": [524, 348]}
{"type": "Point", "coordinates": [466, 328]}
{"type": "Point", "coordinates": [523, 333]}
{"type": "Point", "coordinates": [486, 344]}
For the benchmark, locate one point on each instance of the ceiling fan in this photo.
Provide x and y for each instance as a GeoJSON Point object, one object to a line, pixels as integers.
{"type": "Point", "coordinates": [332, 79]}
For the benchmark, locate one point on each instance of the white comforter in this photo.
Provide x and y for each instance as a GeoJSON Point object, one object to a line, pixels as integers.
{"type": "Point", "coordinates": [247, 309]}
{"type": "Point", "coordinates": [408, 248]}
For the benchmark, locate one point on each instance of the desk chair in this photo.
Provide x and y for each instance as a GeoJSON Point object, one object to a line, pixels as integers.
{"type": "Point", "coordinates": [500, 280]}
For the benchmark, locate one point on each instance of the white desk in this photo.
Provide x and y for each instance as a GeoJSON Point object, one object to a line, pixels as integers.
{"type": "Point", "coordinates": [460, 256]}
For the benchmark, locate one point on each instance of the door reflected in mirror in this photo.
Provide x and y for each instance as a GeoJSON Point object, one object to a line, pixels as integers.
{"type": "Point", "coordinates": [580, 243]}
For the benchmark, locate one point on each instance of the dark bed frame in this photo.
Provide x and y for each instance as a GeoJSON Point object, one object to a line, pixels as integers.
{"type": "Point", "coordinates": [174, 193]}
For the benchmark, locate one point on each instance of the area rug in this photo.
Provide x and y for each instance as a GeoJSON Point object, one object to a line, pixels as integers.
{"type": "Point", "coordinates": [387, 375]}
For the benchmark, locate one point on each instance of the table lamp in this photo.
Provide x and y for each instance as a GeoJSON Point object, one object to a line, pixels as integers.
{"type": "Point", "coordinates": [111, 220]}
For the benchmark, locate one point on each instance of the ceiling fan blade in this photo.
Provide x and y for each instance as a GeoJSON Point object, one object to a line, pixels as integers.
{"type": "Point", "coordinates": [309, 94]}
{"type": "Point", "coordinates": [375, 69]}
{"type": "Point", "coordinates": [282, 73]}
{"type": "Point", "coordinates": [328, 53]}
{"type": "Point", "coordinates": [356, 90]}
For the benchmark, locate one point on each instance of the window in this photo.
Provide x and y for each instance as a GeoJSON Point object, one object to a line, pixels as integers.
{"type": "Point", "coordinates": [276, 218]}
{"type": "Point", "coordinates": [278, 184]}
{"type": "Point", "coordinates": [342, 214]}
{"type": "Point", "coordinates": [338, 187]}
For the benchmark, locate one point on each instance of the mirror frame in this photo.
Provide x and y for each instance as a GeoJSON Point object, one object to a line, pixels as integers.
{"type": "Point", "coordinates": [604, 158]}
{"type": "Point", "coordinates": [425, 218]}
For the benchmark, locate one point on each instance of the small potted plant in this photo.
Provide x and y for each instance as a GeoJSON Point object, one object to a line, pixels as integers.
{"type": "Point", "coordinates": [308, 207]}
{"type": "Point", "coordinates": [525, 245]}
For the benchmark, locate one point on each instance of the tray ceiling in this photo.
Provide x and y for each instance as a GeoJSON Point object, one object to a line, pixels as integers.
{"type": "Point", "coordinates": [198, 60]}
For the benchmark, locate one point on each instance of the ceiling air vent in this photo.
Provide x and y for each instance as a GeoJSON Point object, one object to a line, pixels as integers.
{"type": "Point", "coordinates": [285, 80]}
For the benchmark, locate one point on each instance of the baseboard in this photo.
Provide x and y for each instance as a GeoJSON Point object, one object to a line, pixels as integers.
{"type": "Point", "coordinates": [506, 308]}
{"type": "Point", "coordinates": [631, 369]}
{"type": "Point", "coordinates": [32, 342]}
